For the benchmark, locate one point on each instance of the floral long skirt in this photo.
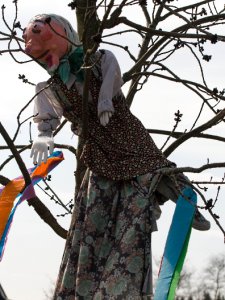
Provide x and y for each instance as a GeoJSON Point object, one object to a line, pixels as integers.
{"type": "Point", "coordinates": [108, 250]}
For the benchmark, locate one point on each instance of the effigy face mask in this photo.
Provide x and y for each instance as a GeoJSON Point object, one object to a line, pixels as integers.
{"type": "Point", "coordinates": [46, 41]}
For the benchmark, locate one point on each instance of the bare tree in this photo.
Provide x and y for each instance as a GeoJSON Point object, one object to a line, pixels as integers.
{"type": "Point", "coordinates": [213, 277]}
{"type": "Point", "coordinates": [185, 285]}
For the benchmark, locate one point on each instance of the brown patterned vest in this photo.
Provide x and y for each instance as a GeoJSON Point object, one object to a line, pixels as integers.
{"type": "Point", "coordinates": [121, 150]}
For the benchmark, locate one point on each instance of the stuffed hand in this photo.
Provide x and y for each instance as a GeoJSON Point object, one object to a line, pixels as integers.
{"type": "Point", "coordinates": [104, 117]}
{"type": "Point", "coordinates": [39, 150]}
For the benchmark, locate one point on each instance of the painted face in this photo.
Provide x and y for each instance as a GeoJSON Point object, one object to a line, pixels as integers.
{"type": "Point", "coordinates": [44, 43]}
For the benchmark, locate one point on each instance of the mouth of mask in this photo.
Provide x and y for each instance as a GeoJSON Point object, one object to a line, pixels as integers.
{"type": "Point", "coordinates": [49, 61]}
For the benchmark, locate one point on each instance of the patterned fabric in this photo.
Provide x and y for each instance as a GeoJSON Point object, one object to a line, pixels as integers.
{"type": "Point", "coordinates": [107, 254]}
{"type": "Point", "coordinates": [108, 249]}
{"type": "Point", "coordinates": [121, 150]}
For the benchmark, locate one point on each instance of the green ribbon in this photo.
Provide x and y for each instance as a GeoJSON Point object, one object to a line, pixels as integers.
{"type": "Point", "coordinates": [72, 64]}
{"type": "Point", "coordinates": [176, 245]}
{"type": "Point", "coordinates": [176, 275]}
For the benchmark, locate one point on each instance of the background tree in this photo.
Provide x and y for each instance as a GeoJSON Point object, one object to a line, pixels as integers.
{"type": "Point", "coordinates": [185, 285]}
{"type": "Point", "coordinates": [213, 277]}
{"type": "Point", "coordinates": [206, 296]}
{"type": "Point", "coordinates": [167, 33]}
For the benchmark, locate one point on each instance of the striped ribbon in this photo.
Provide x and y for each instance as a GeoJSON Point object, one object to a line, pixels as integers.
{"type": "Point", "coordinates": [176, 246]}
{"type": "Point", "coordinates": [11, 191]}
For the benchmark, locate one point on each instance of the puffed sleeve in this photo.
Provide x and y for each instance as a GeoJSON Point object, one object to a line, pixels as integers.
{"type": "Point", "coordinates": [111, 83]}
{"type": "Point", "coordinates": [47, 110]}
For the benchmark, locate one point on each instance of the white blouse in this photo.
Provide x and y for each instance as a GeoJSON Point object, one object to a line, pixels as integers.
{"type": "Point", "coordinates": [47, 109]}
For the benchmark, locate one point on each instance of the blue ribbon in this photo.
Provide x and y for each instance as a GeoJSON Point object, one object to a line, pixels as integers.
{"type": "Point", "coordinates": [175, 244]}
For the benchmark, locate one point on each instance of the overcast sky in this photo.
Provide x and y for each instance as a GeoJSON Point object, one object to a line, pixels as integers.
{"type": "Point", "coordinates": [33, 252]}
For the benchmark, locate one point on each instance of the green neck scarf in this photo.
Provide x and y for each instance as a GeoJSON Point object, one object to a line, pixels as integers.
{"type": "Point", "coordinates": [72, 63]}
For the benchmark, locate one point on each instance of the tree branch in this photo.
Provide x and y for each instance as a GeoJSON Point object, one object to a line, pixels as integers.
{"type": "Point", "coordinates": [177, 135]}
{"type": "Point", "coordinates": [197, 130]}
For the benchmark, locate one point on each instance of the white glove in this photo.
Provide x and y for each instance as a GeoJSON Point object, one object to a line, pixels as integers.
{"type": "Point", "coordinates": [40, 147]}
{"type": "Point", "coordinates": [104, 117]}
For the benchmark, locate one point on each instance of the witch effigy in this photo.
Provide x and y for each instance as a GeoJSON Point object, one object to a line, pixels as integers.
{"type": "Point", "coordinates": [108, 249]}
